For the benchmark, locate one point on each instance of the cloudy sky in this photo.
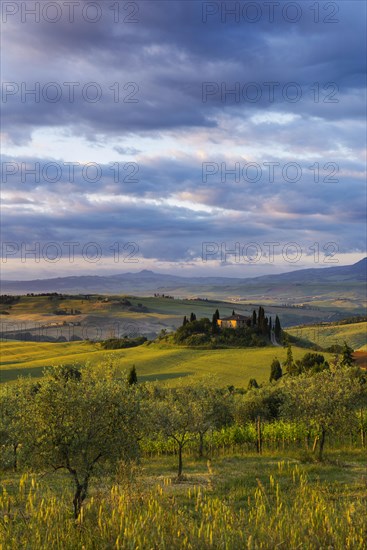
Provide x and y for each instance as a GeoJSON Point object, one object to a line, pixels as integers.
{"type": "Point", "coordinates": [188, 137]}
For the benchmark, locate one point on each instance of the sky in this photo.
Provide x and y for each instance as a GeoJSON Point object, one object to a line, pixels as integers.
{"type": "Point", "coordinates": [187, 137]}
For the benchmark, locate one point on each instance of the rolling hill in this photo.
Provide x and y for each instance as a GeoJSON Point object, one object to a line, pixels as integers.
{"type": "Point", "coordinates": [355, 334]}
{"type": "Point", "coordinates": [75, 317]}
{"type": "Point", "coordinates": [301, 284]}
{"type": "Point", "coordinates": [153, 361]}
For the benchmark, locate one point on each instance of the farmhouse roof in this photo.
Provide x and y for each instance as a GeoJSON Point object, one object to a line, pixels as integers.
{"type": "Point", "coordinates": [235, 318]}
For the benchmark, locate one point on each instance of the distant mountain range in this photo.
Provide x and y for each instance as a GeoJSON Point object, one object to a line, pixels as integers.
{"type": "Point", "coordinates": [147, 282]}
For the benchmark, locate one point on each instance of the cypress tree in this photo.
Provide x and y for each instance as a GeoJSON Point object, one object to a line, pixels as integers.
{"type": "Point", "coordinates": [214, 324]}
{"type": "Point", "coordinates": [289, 364]}
{"type": "Point", "coordinates": [260, 319]}
{"type": "Point", "coordinates": [133, 378]}
{"type": "Point", "coordinates": [215, 327]}
{"type": "Point", "coordinates": [277, 328]}
{"type": "Point", "coordinates": [275, 370]}
{"type": "Point", "coordinates": [254, 318]}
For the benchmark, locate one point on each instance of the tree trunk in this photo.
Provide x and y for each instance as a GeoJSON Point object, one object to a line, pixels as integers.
{"type": "Point", "coordinates": [363, 432]}
{"type": "Point", "coordinates": [179, 461]}
{"type": "Point", "coordinates": [81, 488]}
{"type": "Point", "coordinates": [259, 436]}
{"type": "Point", "coordinates": [322, 443]}
{"type": "Point", "coordinates": [201, 445]}
{"type": "Point", "coordinates": [15, 457]}
{"type": "Point", "coordinates": [79, 497]}
{"type": "Point", "coordinates": [77, 501]}
{"type": "Point", "coordinates": [315, 441]}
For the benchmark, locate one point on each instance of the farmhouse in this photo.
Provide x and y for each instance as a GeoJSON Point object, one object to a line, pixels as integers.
{"type": "Point", "coordinates": [234, 321]}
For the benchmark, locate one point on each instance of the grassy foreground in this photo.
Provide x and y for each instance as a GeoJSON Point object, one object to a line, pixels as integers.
{"type": "Point", "coordinates": [153, 362]}
{"type": "Point", "coordinates": [234, 501]}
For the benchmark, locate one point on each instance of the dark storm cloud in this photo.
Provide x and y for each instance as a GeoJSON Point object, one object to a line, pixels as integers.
{"type": "Point", "coordinates": [230, 211]}
{"type": "Point", "coordinates": [214, 182]}
{"type": "Point", "coordinates": [169, 53]}
{"type": "Point", "coordinates": [163, 60]}
{"type": "Point", "coordinates": [168, 233]}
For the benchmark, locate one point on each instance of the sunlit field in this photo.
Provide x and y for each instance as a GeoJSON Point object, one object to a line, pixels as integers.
{"type": "Point", "coordinates": [153, 362]}
{"type": "Point", "coordinates": [233, 501]}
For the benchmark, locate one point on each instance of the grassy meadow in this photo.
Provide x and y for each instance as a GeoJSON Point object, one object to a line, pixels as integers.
{"type": "Point", "coordinates": [153, 361]}
{"type": "Point", "coordinates": [231, 501]}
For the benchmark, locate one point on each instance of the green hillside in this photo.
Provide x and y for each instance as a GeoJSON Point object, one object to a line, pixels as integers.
{"type": "Point", "coordinates": [355, 334]}
{"type": "Point", "coordinates": [99, 317]}
{"type": "Point", "coordinates": [152, 361]}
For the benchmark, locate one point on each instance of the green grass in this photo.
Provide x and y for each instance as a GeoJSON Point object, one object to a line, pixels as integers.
{"type": "Point", "coordinates": [355, 334]}
{"type": "Point", "coordinates": [342, 468]}
{"type": "Point", "coordinates": [153, 361]}
{"type": "Point", "coordinates": [235, 501]}
{"type": "Point", "coordinates": [157, 362]}
{"type": "Point", "coordinates": [40, 305]}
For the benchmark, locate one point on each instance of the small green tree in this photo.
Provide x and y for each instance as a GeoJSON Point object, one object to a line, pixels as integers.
{"type": "Point", "coordinates": [174, 417]}
{"type": "Point", "coordinates": [289, 363]}
{"type": "Point", "coordinates": [264, 402]}
{"type": "Point", "coordinates": [211, 408]}
{"type": "Point", "coordinates": [65, 372]}
{"type": "Point", "coordinates": [133, 377]}
{"type": "Point", "coordinates": [275, 370]}
{"type": "Point", "coordinates": [252, 383]}
{"type": "Point", "coordinates": [347, 359]}
{"type": "Point", "coordinates": [312, 362]}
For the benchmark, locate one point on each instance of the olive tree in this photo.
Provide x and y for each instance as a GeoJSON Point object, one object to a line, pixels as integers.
{"type": "Point", "coordinates": [174, 417]}
{"type": "Point", "coordinates": [327, 400]}
{"type": "Point", "coordinates": [80, 423]}
{"type": "Point", "coordinates": [257, 405]}
{"type": "Point", "coordinates": [212, 408]}
{"type": "Point", "coordinates": [15, 400]}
